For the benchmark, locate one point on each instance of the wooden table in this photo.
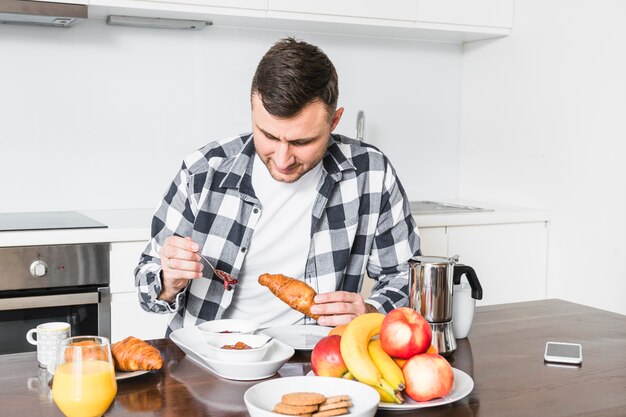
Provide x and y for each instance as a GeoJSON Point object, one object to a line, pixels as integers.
{"type": "Point", "coordinates": [503, 354]}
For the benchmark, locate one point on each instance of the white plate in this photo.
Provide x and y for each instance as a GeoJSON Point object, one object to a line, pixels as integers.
{"type": "Point", "coordinates": [228, 326]}
{"type": "Point", "coordinates": [120, 375]}
{"type": "Point", "coordinates": [463, 385]}
{"type": "Point", "coordinates": [195, 344]}
{"type": "Point", "coordinates": [299, 337]}
{"type": "Point", "coordinates": [261, 398]}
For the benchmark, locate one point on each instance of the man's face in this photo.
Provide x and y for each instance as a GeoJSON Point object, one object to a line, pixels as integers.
{"type": "Point", "coordinates": [291, 147]}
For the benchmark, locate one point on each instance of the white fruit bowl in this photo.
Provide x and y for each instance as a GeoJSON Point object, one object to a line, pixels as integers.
{"type": "Point", "coordinates": [261, 398]}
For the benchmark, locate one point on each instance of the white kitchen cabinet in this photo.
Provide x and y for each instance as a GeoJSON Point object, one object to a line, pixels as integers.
{"type": "Point", "coordinates": [401, 19]}
{"type": "Point", "coordinates": [433, 241]}
{"type": "Point", "coordinates": [492, 13]}
{"type": "Point", "coordinates": [127, 317]}
{"type": "Point", "coordinates": [509, 259]}
{"type": "Point", "coordinates": [391, 9]}
{"type": "Point", "coordinates": [236, 4]}
{"type": "Point", "coordinates": [219, 12]}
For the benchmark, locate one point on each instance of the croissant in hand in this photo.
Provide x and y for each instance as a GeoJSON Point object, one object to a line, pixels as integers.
{"type": "Point", "coordinates": [296, 294]}
{"type": "Point", "coordinates": [132, 354]}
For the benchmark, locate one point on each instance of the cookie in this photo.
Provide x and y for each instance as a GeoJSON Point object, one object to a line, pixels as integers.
{"type": "Point", "coordinates": [303, 398]}
{"type": "Point", "coordinates": [331, 413]}
{"type": "Point", "coordinates": [337, 404]}
{"type": "Point", "coordinates": [336, 399]}
{"type": "Point", "coordinates": [294, 410]}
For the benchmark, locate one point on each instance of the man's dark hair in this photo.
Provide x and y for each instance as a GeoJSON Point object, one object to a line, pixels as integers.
{"type": "Point", "coordinates": [293, 74]}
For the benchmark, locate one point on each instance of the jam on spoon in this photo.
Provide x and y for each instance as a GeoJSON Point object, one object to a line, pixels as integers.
{"type": "Point", "coordinates": [228, 279]}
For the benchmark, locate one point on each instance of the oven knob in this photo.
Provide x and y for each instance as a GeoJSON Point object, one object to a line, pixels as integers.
{"type": "Point", "coordinates": [38, 268]}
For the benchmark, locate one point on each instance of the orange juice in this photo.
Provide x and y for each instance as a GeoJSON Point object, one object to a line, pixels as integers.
{"type": "Point", "coordinates": [84, 388]}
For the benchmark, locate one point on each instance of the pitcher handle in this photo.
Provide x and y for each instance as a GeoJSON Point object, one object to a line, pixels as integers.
{"type": "Point", "coordinates": [468, 271]}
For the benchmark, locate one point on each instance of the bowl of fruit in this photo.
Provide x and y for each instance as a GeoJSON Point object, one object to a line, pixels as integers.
{"type": "Point", "coordinates": [393, 354]}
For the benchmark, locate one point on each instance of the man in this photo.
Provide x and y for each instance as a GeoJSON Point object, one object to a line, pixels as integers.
{"type": "Point", "coordinates": [290, 198]}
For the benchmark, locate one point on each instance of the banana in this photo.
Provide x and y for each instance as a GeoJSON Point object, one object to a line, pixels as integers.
{"type": "Point", "coordinates": [387, 366]}
{"type": "Point", "coordinates": [400, 362]}
{"type": "Point", "coordinates": [354, 351]}
{"type": "Point", "coordinates": [386, 398]}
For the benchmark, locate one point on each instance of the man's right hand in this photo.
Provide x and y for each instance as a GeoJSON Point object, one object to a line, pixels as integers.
{"type": "Point", "coordinates": [179, 264]}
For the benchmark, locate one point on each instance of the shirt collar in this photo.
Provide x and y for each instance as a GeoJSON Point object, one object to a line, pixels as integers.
{"type": "Point", "coordinates": [241, 167]}
{"type": "Point", "coordinates": [335, 160]}
{"type": "Point", "coordinates": [334, 163]}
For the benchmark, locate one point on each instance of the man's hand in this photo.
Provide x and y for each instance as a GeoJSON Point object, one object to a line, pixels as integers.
{"type": "Point", "coordinates": [179, 264]}
{"type": "Point", "coordinates": [339, 307]}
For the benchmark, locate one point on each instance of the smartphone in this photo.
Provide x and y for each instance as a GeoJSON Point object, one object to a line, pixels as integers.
{"type": "Point", "coordinates": [563, 352]}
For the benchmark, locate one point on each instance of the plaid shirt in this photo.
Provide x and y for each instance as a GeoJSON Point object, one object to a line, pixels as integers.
{"type": "Point", "coordinates": [361, 222]}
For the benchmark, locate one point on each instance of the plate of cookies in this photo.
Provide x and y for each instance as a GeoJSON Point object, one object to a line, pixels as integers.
{"type": "Point", "coordinates": [315, 397]}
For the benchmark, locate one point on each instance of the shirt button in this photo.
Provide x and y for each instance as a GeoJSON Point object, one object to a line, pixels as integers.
{"type": "Point", "coordinates": [243, 250]}
{"type": "Point", "coordinates": [255, 211]}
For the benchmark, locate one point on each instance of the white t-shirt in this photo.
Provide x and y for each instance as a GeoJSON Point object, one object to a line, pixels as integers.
{"type": "Point", "coordinates": [280, 244]}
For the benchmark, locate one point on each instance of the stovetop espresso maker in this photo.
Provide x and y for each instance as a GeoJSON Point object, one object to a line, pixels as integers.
{"type": "Point", "coordinates": [431, 290]}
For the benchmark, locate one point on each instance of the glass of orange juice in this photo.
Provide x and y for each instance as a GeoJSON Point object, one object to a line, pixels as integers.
{"type": "Point", "coordinates": [84, 377]}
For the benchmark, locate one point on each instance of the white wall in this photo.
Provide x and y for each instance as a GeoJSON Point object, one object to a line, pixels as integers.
{"type": "Point", "coordinates": [544, 125]}
{"type": "Point", "coordinates": [95, 116]}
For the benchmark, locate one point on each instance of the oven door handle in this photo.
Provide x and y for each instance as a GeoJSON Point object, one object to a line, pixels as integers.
{"type": "Point", "coordinates": [40, 301]}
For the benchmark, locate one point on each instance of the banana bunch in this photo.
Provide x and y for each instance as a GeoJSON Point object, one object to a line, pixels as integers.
{"type": "Point", "coordinates": [367, 362]}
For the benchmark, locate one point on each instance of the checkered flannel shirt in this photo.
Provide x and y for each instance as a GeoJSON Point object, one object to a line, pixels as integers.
{"type": "Point", "coordinates": [361, 222]}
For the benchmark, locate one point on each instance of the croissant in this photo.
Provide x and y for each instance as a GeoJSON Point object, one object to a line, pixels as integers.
{"type": "Point", "coordinates": [89, 351]}
{"type": "Point", "coordinates": [296, 294]}
{"type": "Point", "coordinates": [132, 354]}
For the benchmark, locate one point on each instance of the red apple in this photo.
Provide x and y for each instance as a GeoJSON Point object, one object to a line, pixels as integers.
{"type": "Point", "coordinates": [427, 376]}
{"type": "Point", "coordinates": [405, 333]}
{"type": "Point", "coordinates": [326, 357]}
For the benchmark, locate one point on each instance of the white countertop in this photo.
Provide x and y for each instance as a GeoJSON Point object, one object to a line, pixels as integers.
{"type": "Point", "coordinates": [124, 225]}
{"type": "Point", "coordinates": [498, 214]}
{"type": "Point", "coordinates": [127, 225]}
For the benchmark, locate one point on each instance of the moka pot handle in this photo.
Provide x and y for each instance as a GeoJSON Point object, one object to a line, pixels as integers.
{"type": "Point", "coordinates": [468, 271]}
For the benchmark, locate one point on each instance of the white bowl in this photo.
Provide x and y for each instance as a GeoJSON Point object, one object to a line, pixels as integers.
{"type": "Point", "coordinates": [261, 398]}
{"type": "Point", "coordinates": [228, 326]}
{"type": "Point", "coordinates": [257, 342]}
{"type": "Point", "coordinates": [195, 344]}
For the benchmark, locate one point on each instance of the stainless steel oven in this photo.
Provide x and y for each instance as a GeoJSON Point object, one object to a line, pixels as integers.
{"type": "Point", "coordinates": [39, 284]}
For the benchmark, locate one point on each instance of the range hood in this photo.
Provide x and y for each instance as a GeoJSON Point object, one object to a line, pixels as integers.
{"type": "Point", "coordinates": [41, 12]}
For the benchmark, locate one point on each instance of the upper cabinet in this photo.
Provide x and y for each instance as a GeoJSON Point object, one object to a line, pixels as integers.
{"type": "Point", "coordinates": [225, 12]}
{"type": "Point", "coordinates": [400, 10]}
{"type": "Point", "coordinates": [439, 20]}
{"type": "Point", "coordinates": [490, 13]}
{"type": "Point", "coordinates": [234, 4]}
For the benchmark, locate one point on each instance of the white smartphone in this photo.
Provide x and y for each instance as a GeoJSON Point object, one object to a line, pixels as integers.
{"type": "Point", "coordinates": [563, 352]}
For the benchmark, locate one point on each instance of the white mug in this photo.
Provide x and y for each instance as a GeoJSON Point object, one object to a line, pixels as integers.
{"type": "Point", "coordinates": [462, 310]}
{"type": "Point", "coordinates": [48, 337]}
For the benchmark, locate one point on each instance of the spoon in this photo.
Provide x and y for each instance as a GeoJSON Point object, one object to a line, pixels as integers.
{"type": "Point", "coordinates": [228, 279]}
{"type": "Point", "coordinates": [267, 341]}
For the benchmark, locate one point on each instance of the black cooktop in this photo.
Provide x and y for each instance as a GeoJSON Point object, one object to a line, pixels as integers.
{"type": "Point", "coordinates": [47, 220]}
